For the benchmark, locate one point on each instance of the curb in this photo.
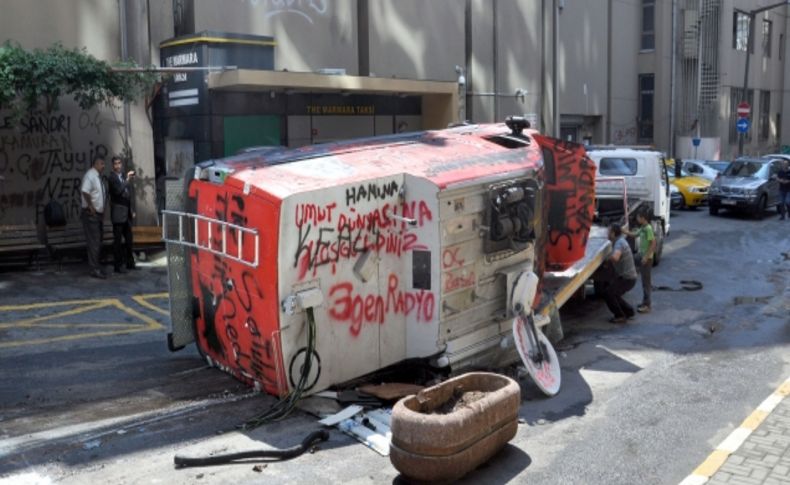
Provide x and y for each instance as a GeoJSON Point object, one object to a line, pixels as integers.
{"type": "Point", "coordinates": [730, 445]}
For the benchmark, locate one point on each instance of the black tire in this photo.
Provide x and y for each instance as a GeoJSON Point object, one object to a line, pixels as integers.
{"type": "Point", "coordinates": [759, 211]}
{"type": "Point", "coordinates": [599, 289]}
{"type": "Point", "coordinates": [713, 210]}
{"type": "Point", "coordinates": [555, 331]}
{"type": "Point", "coordinates": [659, 245]}
{"type": "Point", "coordinates": [683, 205]}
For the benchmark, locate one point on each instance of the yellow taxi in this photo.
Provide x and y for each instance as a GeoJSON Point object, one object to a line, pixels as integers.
{"type": "Point", "coordinates": [693, 189]}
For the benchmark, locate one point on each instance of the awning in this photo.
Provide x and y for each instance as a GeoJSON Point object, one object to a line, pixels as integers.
{"type": "Point", "coordinates": [439, 98]}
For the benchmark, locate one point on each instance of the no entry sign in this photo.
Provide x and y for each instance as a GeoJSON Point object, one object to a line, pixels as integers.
{"type": "Point", "coordinates": [744, 109]}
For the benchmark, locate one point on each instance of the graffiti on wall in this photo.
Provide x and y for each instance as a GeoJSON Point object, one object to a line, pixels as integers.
{"type": "Point", "coordinates": [43, 157]}
{"type": "Point", "coordinates": [624, 136]}
{"type": "Point", "coordinates": [307, 9]}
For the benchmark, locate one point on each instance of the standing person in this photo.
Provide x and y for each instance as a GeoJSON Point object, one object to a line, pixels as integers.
{"type": "Point", "coordinates": [93, 202]}
{"type": "Point", "coordinates": [121, 214]}
{"type": "Point", "coordinates": [644, 260]}
{"type": "Point", "coordinates": [624, 276]}
{"type": "Point", "coordinates": [784, 190]}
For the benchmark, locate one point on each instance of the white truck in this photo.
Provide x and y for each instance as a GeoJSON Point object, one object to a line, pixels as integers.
{"type": "Point", "coordinates": [646, 187]}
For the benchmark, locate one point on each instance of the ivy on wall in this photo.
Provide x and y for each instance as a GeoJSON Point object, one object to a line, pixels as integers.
{"type": "Point", "coordinates": [29, 79]}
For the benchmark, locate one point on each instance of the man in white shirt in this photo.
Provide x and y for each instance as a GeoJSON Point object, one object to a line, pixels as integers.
{"type": "Point", "coordinates": [93, 202]}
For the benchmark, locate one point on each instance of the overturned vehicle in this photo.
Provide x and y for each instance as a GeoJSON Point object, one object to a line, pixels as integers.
{"type": "Point", "coordinates": [304, 268]}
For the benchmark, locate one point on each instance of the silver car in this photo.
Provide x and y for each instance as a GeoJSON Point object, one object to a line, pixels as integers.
{"type": "Point", "coordinates": [747, 184]}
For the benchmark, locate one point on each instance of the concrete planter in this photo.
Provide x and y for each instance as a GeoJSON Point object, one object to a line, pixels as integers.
{"type": "Point", "coordinates": [444, 447]}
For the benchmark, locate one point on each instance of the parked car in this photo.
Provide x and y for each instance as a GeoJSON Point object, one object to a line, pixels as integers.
{"type": "Point", "coordinates": [704, 168]}
{"type": "Point", "coordinates": [675, 197]}
{"type": "Point", "coordinates": [748, 184]}
{"type": "Point", "coordinates": [693, 190]}
{"type": "Point", "coordinates": [781, 156]}
{"type": "Point", "coordinates": [718, 165]}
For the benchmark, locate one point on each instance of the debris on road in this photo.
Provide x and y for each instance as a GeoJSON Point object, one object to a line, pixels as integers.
{"type": "Point", "coordinates": [391, 391]}
{"type": "Point", "coordinates": [89, 445]}
{"type": "Point", "coordinates": [274, 455]}
{"type": "Point", "coordinates": [371, 428]}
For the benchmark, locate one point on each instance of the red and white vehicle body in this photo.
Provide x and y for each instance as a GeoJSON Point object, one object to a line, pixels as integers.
{"type": "Point", "coordinates": [404, 247]}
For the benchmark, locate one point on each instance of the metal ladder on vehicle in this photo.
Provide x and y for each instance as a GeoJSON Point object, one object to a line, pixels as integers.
{"type": "Point", "coordinates": [189, 230]}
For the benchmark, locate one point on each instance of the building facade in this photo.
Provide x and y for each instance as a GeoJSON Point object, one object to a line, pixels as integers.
{"type": "Point", "coordinates": [652, 72]}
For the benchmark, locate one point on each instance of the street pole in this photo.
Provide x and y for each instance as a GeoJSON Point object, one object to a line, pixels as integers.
{"type": "Point", "coordinates": [672, 73]}
{"type": "Point", "coordinates": [750, 37]}
{"type": "Point", "coordinates": [557, 6]}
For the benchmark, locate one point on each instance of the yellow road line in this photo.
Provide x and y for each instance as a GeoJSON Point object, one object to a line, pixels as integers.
{"type": "Point", "coordinates": [19, 343]}
{"type": "Point", "coordinates": [34, 306]}
{"type": "Point", "coordinates": [66, 313]}
{"type": "Point", "coordinates": [85, 325]}
{"type": "Point", "coordinates": [730, 445]}
{"type": "Point", "coordinates": [142, 300]}
{"type": "Point", "coordinates": [150, 322]}
{"type": "Point", "coordinates": [83, 306]}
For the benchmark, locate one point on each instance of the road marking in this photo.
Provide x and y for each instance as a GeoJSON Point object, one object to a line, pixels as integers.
{"type": "Point", "coordinates": [730, 445]}
{"type": "Point", "coordinates": [29, 322]}
{"type": "Point", "coordinates": [142, 300]}
{"type": "Point", "coordinates": [82, 306]}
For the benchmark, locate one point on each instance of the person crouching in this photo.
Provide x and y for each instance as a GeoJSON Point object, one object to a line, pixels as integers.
{"type": "Point", "coordinates": [624, 276]}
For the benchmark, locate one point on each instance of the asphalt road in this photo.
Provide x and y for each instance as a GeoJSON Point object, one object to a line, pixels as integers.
{"type": "Point", "coordinates": [89, 392]}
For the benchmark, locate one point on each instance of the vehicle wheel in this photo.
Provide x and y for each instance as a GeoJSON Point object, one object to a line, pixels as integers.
{"type": "Point", "coordinates": [554, 330]}
{"type": "Point", "coordinates": [599, 289]}
{"type": "Point", "coordinates": [713, 210]}
{"type": "Point", "coordinates": [683, 204]}
{"type": "Point", "coordinates": [759, 212]}
{"type": "Point", "coordinates": [659, 246]}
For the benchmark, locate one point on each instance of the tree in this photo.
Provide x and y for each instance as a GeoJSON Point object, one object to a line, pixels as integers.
{"type": "Point", "coordinates": [28, 78]}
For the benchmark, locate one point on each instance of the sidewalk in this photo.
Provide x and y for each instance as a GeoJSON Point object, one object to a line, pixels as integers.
{"type": "Point", "coordinates": [757, 453]}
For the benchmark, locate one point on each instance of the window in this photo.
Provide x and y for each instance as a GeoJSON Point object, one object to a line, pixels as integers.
{"type": "Point", "coordinates": [768, 28]}
{"type": "Point", "coordinates": [740, 32]}
{"type": "Point", "coordinates": [765, 115]}
{"type": "Point", "coordinates": [776, 167]}
{"type": "Point", "coordinates": [618, 167]}
{"type": "Point", "coordinates": [646, 95]}
{"type": "Point", "coordinates": [736, 96]}
{"type": "Point", "coordinates": [648, 25]}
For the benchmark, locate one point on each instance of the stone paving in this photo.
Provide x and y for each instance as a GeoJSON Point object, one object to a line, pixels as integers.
{"type": "Point", "coordinates": [764, 458]}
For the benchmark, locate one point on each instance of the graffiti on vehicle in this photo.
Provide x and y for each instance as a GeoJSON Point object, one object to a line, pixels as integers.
{"type": "Point", "coordinates": [349, 306]}
{"type": "Point", "coordinates": [327, 235]}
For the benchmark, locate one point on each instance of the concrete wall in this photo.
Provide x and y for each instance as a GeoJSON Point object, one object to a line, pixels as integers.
{"type": "Point", "coordinates": [310, 34]}
{"type": "Point", "coordinates": [492, 85]}
{"type": "Point", "coordinates": [583, 53]}
{"type": "Point", "coordinates": [625, 68]}
{"type": "Point", "coordinates": [416, 39]}
{"type": "Point", "coordinates": [46, 154]}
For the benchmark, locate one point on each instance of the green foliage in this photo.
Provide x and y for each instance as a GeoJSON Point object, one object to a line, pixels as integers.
{"type": "Point", "coordinates": [29, 77]}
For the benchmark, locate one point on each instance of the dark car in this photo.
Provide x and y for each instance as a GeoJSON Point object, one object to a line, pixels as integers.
{"type": "Point", "coordinates": [747, 184]}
